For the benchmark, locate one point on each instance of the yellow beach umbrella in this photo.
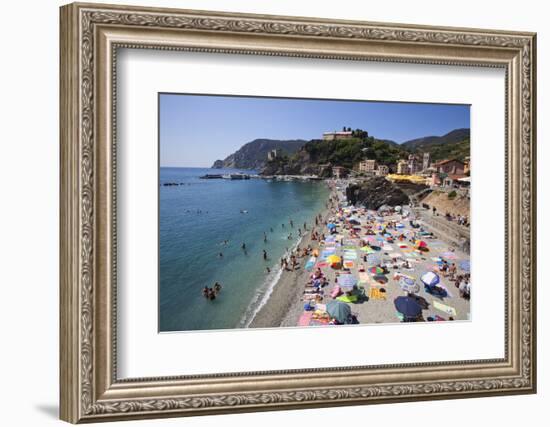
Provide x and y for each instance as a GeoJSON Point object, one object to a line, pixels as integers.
{"type": "Point", "coordinates": [334, 259]}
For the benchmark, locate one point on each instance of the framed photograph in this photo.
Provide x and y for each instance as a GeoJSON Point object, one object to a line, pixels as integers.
{"type": "Point", "coordinates": [266, 213]}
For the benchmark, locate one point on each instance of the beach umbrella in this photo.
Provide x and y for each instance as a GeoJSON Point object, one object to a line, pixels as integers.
{"type": "Point", "coordinates": [331, 225]}
{"type": "Point", "coordinates": [347, 281]}
{"type": "Point", "coordinates": [465, 265]}
{"type": "Point", "coordinates": [407, 306]}
{"type": "Point", "coordinates": [380, 278]}
{"type": "Point", "coordinates": [409, 285]}
{"type": "Point", "coordinates": [430, 278]}
{"type": "Point", "coordinates": [376, 270]}
{"type": "Point", "coordinates": [334, 259]}
{"type": "Point", "coordinates": [421, 244]}
{"type": "Point", "coordinates": [338, 310]}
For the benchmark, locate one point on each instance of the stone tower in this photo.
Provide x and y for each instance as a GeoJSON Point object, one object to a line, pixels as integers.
{"type": "Point", "coordinates": [425, 161]}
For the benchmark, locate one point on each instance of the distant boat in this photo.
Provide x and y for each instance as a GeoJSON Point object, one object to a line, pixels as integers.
{"type": "Point", "coordinates": [211, 176]}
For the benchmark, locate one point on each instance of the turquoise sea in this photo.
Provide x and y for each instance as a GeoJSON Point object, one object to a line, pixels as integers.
{"type": "Point", "coordinates": [195, 219]}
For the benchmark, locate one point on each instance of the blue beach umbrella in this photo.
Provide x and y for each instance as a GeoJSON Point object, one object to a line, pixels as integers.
{"type": "Point", "coordinates": [407, 306]}
{"type": "Point", "coordinates": [331, 225]}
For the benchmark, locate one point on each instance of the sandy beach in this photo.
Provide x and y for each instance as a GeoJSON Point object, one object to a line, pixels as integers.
{"type": "Point", "coordinates": [285, 305]}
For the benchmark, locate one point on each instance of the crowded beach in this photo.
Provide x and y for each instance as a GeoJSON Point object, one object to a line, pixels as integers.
{"type": "Point", "coordinates": [359, 266]}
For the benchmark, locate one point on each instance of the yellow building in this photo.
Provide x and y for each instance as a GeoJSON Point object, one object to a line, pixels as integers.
{"type": "Point", "coordinates": [367, 166]}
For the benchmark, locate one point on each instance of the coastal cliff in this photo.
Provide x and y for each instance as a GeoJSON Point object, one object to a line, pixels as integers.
{"type": "Point", "coordinates": [253, 155]}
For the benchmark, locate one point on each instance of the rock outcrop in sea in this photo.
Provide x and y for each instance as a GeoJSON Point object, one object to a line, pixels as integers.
{"type": "Point", "coordinates": [376, 192]}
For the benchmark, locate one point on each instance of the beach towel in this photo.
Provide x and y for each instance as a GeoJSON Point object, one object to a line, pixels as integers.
{"type": "Point", "coordinates": [349, 264]}
{"type": "Point", "coordinates": [364, 277]}
{"type": "Point", "coordinates": [375, 293]}
{"type": "Point", "coordinates": [335, 291]}
{"type": "Point", "coordinates": [387, 248]}
{"type": "Point", "coordinates": [444, 308]}
{"type": "Point", "coordinates": [348, 298]}
{"type": "Point", "coordinates": [449, 255]}
{"type": "Point", "coordinates": [322, 264]}
{"type": "Point", "coordinates": [305, 318]}
{"type": "Point", "coordinates": [310, 263]}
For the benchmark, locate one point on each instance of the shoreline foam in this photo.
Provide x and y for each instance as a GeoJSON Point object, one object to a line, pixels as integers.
{"type": "Point", "coordinates": [278, 307]}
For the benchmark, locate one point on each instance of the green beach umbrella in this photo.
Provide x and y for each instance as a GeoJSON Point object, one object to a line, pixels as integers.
{"type": "Point", "coordinates": [338, 310]}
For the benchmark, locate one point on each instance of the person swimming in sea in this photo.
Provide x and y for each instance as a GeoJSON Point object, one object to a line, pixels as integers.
{"type": "Point", "coordinates": [265, 255]}
{"type": "Point", "coordinates": [217, 287]}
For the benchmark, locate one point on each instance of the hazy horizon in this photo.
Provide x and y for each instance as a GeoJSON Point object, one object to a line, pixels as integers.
{"type": "Point", "coordinates": [196, 130]}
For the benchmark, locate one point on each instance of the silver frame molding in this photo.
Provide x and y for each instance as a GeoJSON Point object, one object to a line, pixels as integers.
{"type": "Point", "coordinates": [90, 37]}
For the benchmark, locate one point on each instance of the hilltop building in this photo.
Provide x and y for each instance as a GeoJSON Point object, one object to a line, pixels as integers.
{"type": "Point", "coordinates": [333, 136]}
{"type": "Point", "coordinates": [367, 166]}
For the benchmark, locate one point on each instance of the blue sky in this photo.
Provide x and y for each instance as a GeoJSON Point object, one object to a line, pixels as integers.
{"type": "Point", "coordinates": [196, 130]}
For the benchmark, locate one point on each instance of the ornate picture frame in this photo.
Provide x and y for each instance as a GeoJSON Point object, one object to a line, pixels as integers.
{"type": "Point", "coordinates": [90, 37]}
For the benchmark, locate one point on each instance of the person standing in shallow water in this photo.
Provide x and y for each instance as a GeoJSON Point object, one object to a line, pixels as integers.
{"type": "Point", "coordinates": [265, 255]}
